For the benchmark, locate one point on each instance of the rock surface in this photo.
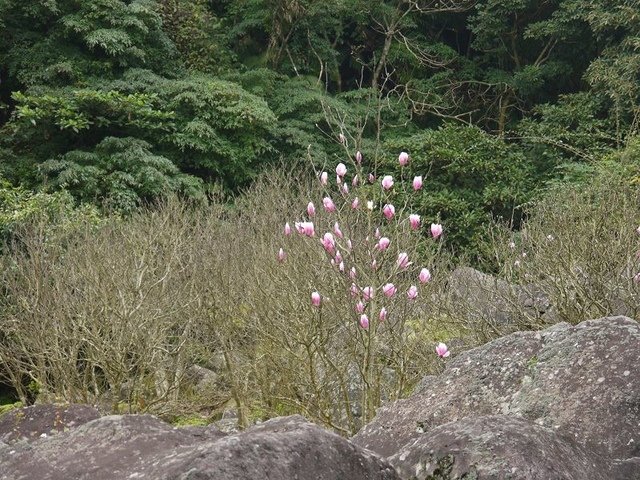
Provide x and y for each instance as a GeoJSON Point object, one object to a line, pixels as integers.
{"type": "Point", "coordinates": [582, 382]}
{"type": "Point", "coordinates": [31, 423]}
{"type": "Point", "coordinates": [144, 447]}
{"type": "Point", "coordinates": [494, 446]}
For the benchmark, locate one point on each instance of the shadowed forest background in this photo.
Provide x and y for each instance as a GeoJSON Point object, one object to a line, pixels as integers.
{"type": "Point", "coordinates": [151, 152]}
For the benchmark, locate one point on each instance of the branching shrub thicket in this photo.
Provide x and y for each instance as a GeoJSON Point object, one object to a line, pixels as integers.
{"type": "Point", "coordinates": [580, 245]}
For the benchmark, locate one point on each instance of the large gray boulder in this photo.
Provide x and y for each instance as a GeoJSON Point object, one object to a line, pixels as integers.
{"type": "Point", "coordinates": [30, 423]}
{"type": "Point", "coordinates": [144, 447]}
{"type": "Point", "coordinates": [488, 299]}
{"type": "Point", "coordinates": [495, 447]}
{"type": "Point", "coordinates": [582, 382]}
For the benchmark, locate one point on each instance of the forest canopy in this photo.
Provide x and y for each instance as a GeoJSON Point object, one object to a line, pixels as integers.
{"type": "Point", "coordinates": [120, 103]}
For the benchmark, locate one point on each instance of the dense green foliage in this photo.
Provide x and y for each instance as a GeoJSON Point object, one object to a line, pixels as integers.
{"type": "Point", "coordinates": [120, 102]}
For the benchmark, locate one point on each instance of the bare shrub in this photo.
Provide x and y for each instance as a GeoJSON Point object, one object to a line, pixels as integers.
{"type": "Point", "coordinates": [579, 247]}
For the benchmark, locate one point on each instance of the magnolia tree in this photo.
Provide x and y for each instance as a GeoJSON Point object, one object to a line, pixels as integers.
{"type": "Point", "coordinates": [368, 269]}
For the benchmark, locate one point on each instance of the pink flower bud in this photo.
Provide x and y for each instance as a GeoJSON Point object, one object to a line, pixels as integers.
{"type": "Point", "coordinates": [352, 273]}
{"type": "Point", "coordinates": [338, 180]}
{"type": "Point", "coordinates": [377, 233]}
{"type": "Point", "coordinates": [281, 255]}
{"type": "Point", "coordinates": [371, 178]}
{"type": "Point", "coordinates": [328, 204]}
{"type": "Point", "coordinates": [338, 257]}
{"type": "Point", "coordinates": [389, 290]}
{"type": "Point", "coordinates": [388, 211]}
{"type": "Point", "coordinates": [442, 350]}
{"type": "Point", "coordinates": [403, 159]}
{"type": "Point", "coordinates": [360, 307]}
{"type": "Point", "coordinates": [374, 265]}
{"type": "Point", "coordinates": [364, 321]}
{"type": "Point", "coordinates": [311, 209]}
{"type": "Point", "coordinates": [287, 229]}
{"type": "Point", "coordinates": [367, 293]}
{"type": "Point", "coordinates": [412, 293]}
{"type": "Point", "coordinates": [358, 157]}
{"type": "Point", "coordinates": [305, 228]}
{"type": "Point", "coordinates": [356, 203]}
{"type": "Point", "coordinates": [424, 275]}
{"type": "Point", "coordinates": [417, 183]}
{"type": "Point", "coordinates": [383, 243]}
{"type": "Point", "coordinates": [342, 138]}
{"type": "Point", "coordinates": [354, 182]}
{"type": "Point", "coordinates": [337, 231]}
{"type": "Point", "coordinates": [414, 220]}
{"type": "Point", "coordinates": [315, 299]}
{"type": "Point", "coordinates": [328, 242]}
{"type": "Point", "coordinates": [636, 277]}
{"type": "Point", "coordinates": [345, 189]}
{"type": "Point", "coordinates": [383, 314]}
{"type": "Point", "coordinates": [354, 290]}
{"type": "Point", "coordinates": [341, 266]}
{"type": "Point", "coordinates": [349, 244]}
{"type": "Point", "coordinates": [436, 230]}
{"type": "Point", "coordinates": [324, 178]}
{"type": "Point", "coordinates": [403, 260]}
{"type": "Point", "coordinates": [387, 182]}
{"type": "Point", "coordinates": [341, 170]}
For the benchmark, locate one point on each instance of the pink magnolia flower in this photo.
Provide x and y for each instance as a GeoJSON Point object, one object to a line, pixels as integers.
{"type": "Point", "coordinates": [371, 178]}
{"type": "Point", "coordinates": [287, 229]}
{"type": "Point", "coordinates": [636, 278]}
{"type": "Point", "coordinates": [328, 242]}
{"type": "Point", "coordinates": [417, 183]}
{"type": "Point", "coordinates": [436, 230]}
{"type": "Point", "coordinates": [349, 244]}
{"type": "Point", "coordinates": [367, 293]}
{"type": "Point", "coordinates": [344, 189]}
{"type": "Point", "coordinates": [305, 228]}
{"type": "Point", "coordinates": [328, 204]}
{"type": "Point", "coordinates": [342, 138]}
{"type": "Point", "coordinates": [341, 170]}
{"type": "Point", "coordinates": [281, 255]}
{"type": "Point", "coordinates": [352, 273]}
{"type": "Point", "coordinates": [442, 350]}
{"type": "Point", "coordinates": [337, 231]}
{"type": "Point", "coordinates": [387, 182]}
{"type": "Point", "coordinates": [383, 243]}
{"type": "Point", "coordinates": [311, 209]}
{"type": "Point", "coordinates": [403, 260]}
{"type": "Point", "coordinates": [341, 266]}
{"type": "Point", "coordinates": [403, 159]}
{"type": "Point", "coordinates": [388, 211]}
{"type": "Point", "coordinates": [383, 314]}
{"type": "Point", "coordinates": [377, 233]}
{"type": "Point", "coordinates": [315, 299]}
{"type": "Point", "coordinates": [374, 265]}
{"type": "Point", "coordinates": [424, 275]}
{"type": "Point", "coordinates": [358, 157]}
{"type": "Point", "coordinates": [338, 179]}
{"type": "Point", "coordinates": [414, 220]}
{"type": "Point", "coordinates": [354, 290]}
{"type": "Point", "coordinates": [324, 178]}
{"type": "Point", "coordinates": [360, 307]}
{"type": "Point", "coordinates": [356, 203]}
{"type": "Point", "coordinates": [355, 181]}
{"type": "Point", "coordinates": [364, 321]}
{"type": "Point", "coordinates": [338, 257]}
{"type": "Point", "coordinates": [389, 290]}
{"type": "Point", "coordinates": [412, 293]}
